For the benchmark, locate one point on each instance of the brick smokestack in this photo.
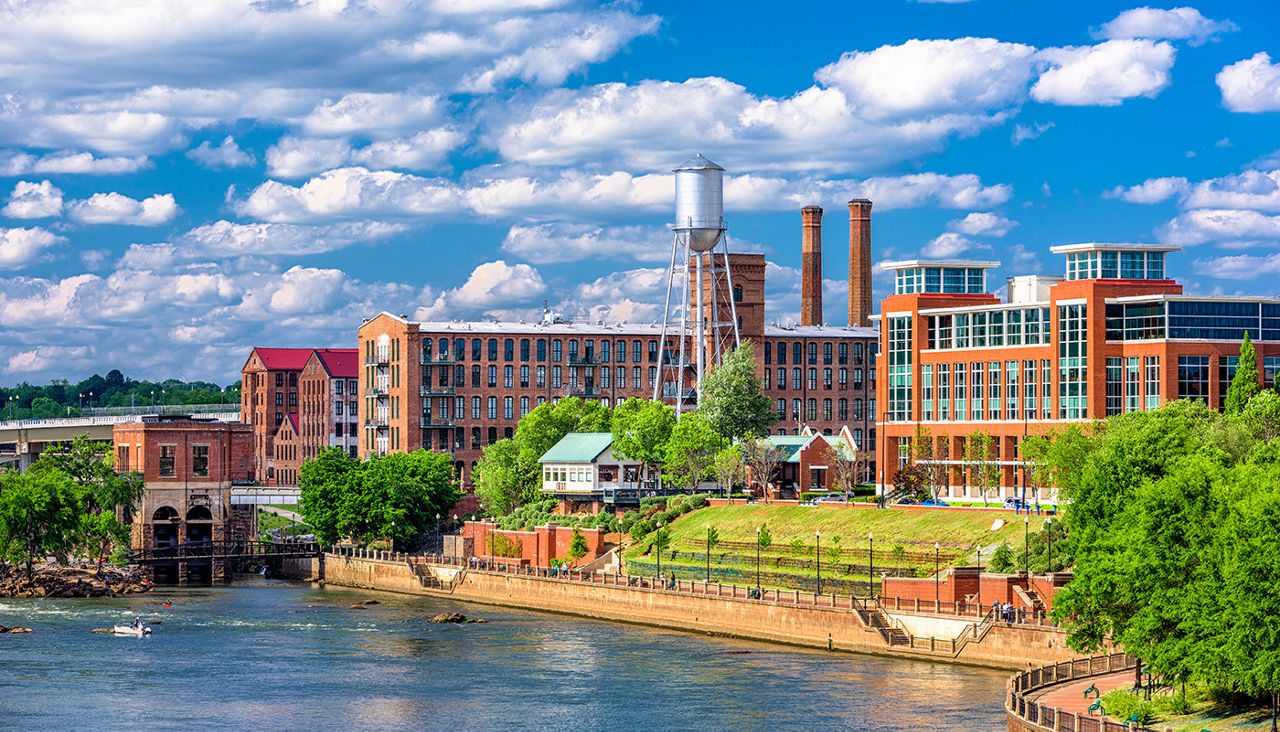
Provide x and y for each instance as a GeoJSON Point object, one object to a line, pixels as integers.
{"type": "Point", "coordinates": [811, 266]}
{"type": "Point", "coordinates": [860, 262]}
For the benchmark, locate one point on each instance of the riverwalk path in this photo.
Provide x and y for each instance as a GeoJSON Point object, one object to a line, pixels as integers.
{"type": "Point", "coordinates": [1069, 697]}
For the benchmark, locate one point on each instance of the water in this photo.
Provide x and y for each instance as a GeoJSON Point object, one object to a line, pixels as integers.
{"type": "Point", "coordinates": [266, 654]}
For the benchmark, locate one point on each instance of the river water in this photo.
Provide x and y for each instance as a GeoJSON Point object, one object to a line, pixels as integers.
{"type": "Point", "coordinates": [266, 654]}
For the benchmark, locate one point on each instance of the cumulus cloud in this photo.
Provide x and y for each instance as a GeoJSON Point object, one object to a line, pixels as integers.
{"type": "Point", "coordinates": [949, 244]}
{"type": "Point", "coordinates": [632, 296]}
{"type": "Point", "coordinates": [1104, 75]}
{"type": "Point", "coordinates": [982, 224]}
{"type": "Point", "coordinates": [294, 157]}
{"type": "Point", "coordinates": [1239, 266]}
{"type": "Point", "coordinates": [1229, 227]}
{"type": "Point", "coordinates": [33, 201]}
{"type": "Point", "coordinates": [14, 163]}
{"type": "Point", "coordinates": [1251, 85]}
{"type": "Point", "coordinates": [1152, 190]}
{"type": "Point", "coordinates": [1156, 24]}
{"type": "Point", "coordinates": [114, 208]}
{"type": "Point", "coordinates": [226, 154]}
{"type": "Point", "coordinates": [227, 239]}
{"type": "Point", "coordinates": [22, 247]}
{"type": "Point", "coordinates": [1022, 133]}
{"type": "Point", "coordinates": [1257, 189]}
{"type": "Point", "coordinates": [491, 285]}
{"type": "Point", "coordinates": [566, 242]}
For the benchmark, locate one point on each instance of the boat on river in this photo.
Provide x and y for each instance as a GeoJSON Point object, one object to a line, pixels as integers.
{"type": "Point", "coordinates": [131, 630]}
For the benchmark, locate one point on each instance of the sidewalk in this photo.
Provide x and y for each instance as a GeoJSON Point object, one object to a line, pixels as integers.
{"type": "Point", "coordinates": [292, 516]}
{"type": "Point", "coordinates": [1069, 697]}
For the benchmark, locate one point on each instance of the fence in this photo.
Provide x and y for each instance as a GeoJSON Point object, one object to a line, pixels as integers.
{"type": "Point", "coordinates": [949, 553]}
{"type": "Point", "coordinates": [1055, 719]}
{"type": "Point", "coordinates": [838, 565]}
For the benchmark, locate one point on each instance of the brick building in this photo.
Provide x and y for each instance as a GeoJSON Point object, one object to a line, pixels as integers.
{"type": "Point", "coordinates": [327, 391]}
{"type": "Point", "coordinates": [1114, 335]}
{"type": "Point", "coordinates": [188, 466]}
{"type": "Point", "coordinates": [269, 393]}
{"type": "Point", "coordinates": [459, 386]}
{"type": "Point", "coordinates": [286, 452]}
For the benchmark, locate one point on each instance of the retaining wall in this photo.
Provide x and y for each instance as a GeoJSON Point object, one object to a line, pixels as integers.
{"type": "Point", "coordinates": [1010, 647]}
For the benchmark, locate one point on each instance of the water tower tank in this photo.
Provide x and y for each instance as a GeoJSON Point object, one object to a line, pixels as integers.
{"type": "Point", "coordinates": [700, 202]}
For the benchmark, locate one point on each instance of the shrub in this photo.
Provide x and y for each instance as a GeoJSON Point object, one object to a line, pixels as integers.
{"type": "Point", "coordinates": [1003, 560]}
{"type": "Point", "coordinates": [502, 546]}
{"type": "Point", "coordinates": [641, 529]}
{"type": "Point", "coordinates": [1124, 705]}
{"type": "Point", "coordinates": [628, 519]}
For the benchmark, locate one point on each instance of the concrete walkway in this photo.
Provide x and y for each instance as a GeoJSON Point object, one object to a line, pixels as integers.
{"type": "Point", "coordinates": [1069, 697]}
{"type": "Point", "coordinates": [291, 515]}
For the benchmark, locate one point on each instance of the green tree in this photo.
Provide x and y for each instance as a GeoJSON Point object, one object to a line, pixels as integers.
{"type": "Point", "coordinates": [763, 538]}
{"type": "Point", "coordinates": [577, 545]}
{"type": "Point", "coordinates": [39, 515]}
{"type": "Point", "coordinates": [762, 457]}
{"type": "Point", "coordinates": [500, 478]}
{"type": "Point", "coordinates": [323, 482]}
{"type": "Point", "coordinates": [1244, 385]}
{"type": "Point", "coordinates": [728, 467]}
{"type": "Point", "coordinates": [713, 538]}
{"type": "Point", "coordinates": [733, 399]}
{"type": "Point", "coordinates": [833, 548]}
{"type": "Point", "coordinates": [641, 429]}
{"type": "Point", "coordinates": [398, 496]}
{"type": "Point", "coordinates": [690, 452]}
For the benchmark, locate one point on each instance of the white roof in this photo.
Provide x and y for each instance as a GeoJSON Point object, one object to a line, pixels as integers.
{"type": "Point", "coordinates": [1093, 246]}
{"type": "Point", "coordinates": [820, 331]}
{"type": "Point", "coordinates": [963, 263]}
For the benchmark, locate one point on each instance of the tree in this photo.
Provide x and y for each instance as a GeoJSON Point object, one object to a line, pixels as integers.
{"type": "Point", "coordinates": [499, 478]}
{"type": "Point", "coordinates": [926, 453]}
{"type": "Point", "coordinates": [39, 515]}
{"type": "Point", "coordinates": [322, 482]}
{"type": "Point", "coordinates": [690, 452]}
{"type": "Point", "coordinates": [764, 539]}
{"type": "Point", "coordinates": [577, 545]}
{"type": "Point", "coordinates": [984, 474]}
{"type": "Point", "coordinates": [641, 429]}
{"type": "Point", "coordinates": [833, 548]}
{"type": "Point", "coordinates": [713, 538]}
{"type": "Point", "coordinates": [732, 397]}
{"type": "Point", "coordinates": [1244, 385]}
{"type": "Point", "coordinates": [847, 466]}
{"type": "Point", "coordinates": [762, 457]}
{"type": "Point", "coordinates": [727, 466]}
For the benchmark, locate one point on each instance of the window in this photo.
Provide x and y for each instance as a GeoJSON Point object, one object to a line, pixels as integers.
{"type": "Point", "coordinates": [475, 407]}
{"type": "Point", "coordinates": [811, 413]}
{"type": "Point", "coordinates": [1151, 365]}
{"type": "Point", "coordinates": [1115, 387]}
{"type": "Point", "coordinates": [797, 352]}
{"type": "Point", "coordinates": [524, 377]}
{"type": "Point", "coordinates": [813, 353]}
{"type": "Point", "coordinates": [797, 379]}
{"type": "Point", "coordinates": [475, 349]}
{"type": "Point", "coordinates": [555, 377]}
{"type": "Point", "coordinates": [653, 352]}
{"type": "Point", "coordinates": [1226, 372]}
{"type": "Point", "coordinates": [573, 350]}
{"type": "Point", "coordinates": [959, 382]}
{"type": "Point", "coordinates": [1073, 384]}
{"type": "Point", "coordinates": [542, 377]}
{"type": "Point", "coordinates": [653, 375]}
{"type": "Point", "coordinates": [782, 409]}
{"type": "Point", "coordinates": [279, 418]}
{"type": "Point", "coordinates": [844, 353]}
{"type": "Point", "coordinates": [542, 349]}
{"type": "Point", "coordinates": [842, 410]}
{"type": "Point", "coordinates": [857, 410]}
{"type": "Point", "coordinates": [508, 408]}
{"type": "Point", "coordinates": [337, 386]}
{"type": "Point", "coordinates": [604, 376]}
{"type": "Point", "coordinates": [279, 378]}
{"type": "Point", "coordinates": [604, 350]}
{"type": "Point", "coordinates": [843, 377]}
{"type": "Point", "coordinates": [768, 352]}
{"type": "Point", "coordinates": [1193, 377]}
{"type": "Point", "coordinates": [493, 349]}
{"type": "Point", "coordinates": [337, 408]}
{"type": "Point", "coordinates": [167, 453]}
{"type": "Point", "coordinates": [636, 376]}
{"type": "Point", "coordinates": [826, 409]}
{"type": "Point", "coordinates": [926, 392]}
{"type": "Point", "coordinates": [826, 378]}
{"type": "Point", "coordinates": [782, 352]}
{"type": "Point", "coordinates": [524, 406]}
{"type": "Point", "coordinates": [899, 405]}
{"type": "Point", "coordinates": [768, 379]}
{"type": "Point", "coordinates": [524, 349]}
{"type": "Point", "coordinates": [826, 353]}
{"type": "Point", "coordinates": [493, 407]}
{"type": "Point", "coordinates": [508, 377]}
{"type": "Point", "coordinates": [493, 376]}
{"type": "Point", "coordinates": [782, 378]}
{"type": "Point", "coordinates": [737, 293]}
{"type": "Point", "coordinates": [475, 438]}
{"type": "Point", "coordinates": [1029, 389]}
{"type": "Point", "coordinates": [795, 409]}
{"type": "Point", "coordinates": [813, 378]}
{"type": "Point", "coordinates": [944, 391]}
{"type": "Point", "coordinates": [492, 435]}
{"type": "Point", "coordinates": [1132, 385]}
{"type": "Point", "coordinates": [976, 404]}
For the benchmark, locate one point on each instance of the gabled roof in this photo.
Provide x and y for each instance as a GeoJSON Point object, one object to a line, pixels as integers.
{"type": "Point", "coordinates": [792, 445]}
{"type": "Point", "coordinates": [283, 359]}
{"type": "Point", "coordinates": [341, 363]}
{"type": "Point", "coordinates": [291, 420]}
{"type": "Point", "coordinates": [578, 447]}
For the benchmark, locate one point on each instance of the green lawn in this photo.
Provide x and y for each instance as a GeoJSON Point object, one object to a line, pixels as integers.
{"type": "Point", "coordinates": [267, 521]}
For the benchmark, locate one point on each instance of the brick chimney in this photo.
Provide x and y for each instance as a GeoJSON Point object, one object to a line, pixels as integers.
{"type": "Point", "coordinates": [811, 266]}
{"type": "Point", "coordinates": [860, 262]}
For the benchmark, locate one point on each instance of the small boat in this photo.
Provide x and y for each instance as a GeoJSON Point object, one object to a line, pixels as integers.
{"type": "Point", "coordinates": [166, 604]}
{"type": "Point", "coordinates": [130, 630]}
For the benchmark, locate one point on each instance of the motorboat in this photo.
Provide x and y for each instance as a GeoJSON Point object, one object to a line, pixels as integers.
{"type": "Point", "coordinates": [131, 630]}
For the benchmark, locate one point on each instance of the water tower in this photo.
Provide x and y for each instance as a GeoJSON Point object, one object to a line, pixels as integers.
{"type": "Point", "coordinates": [699, 230]}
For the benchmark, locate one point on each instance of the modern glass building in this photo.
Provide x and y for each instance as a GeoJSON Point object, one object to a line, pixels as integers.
{"type": "Point", "coordinates": [1111, 335]}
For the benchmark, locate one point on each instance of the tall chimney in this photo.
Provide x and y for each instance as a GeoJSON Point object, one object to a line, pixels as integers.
{"type": "Point", "coordinates": [860, 262]}
{"type": "Point", "coordinates": [811, 266]}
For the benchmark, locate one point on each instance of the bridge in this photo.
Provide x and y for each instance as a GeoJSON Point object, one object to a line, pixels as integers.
{"type": "Point", "coordinates": [23, 440]}
{"type": "Point", "coordinates": [225, 551]}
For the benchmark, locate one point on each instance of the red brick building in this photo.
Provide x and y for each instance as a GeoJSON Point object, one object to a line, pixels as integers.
{"type": "Point", "coordinates": [188, 466]}
{"type": "Point", "coordinates": [327, 390]}
{"type": "Point", "coordinates": [286, 451]}
{"type": "Point", "coordinates": [268, 394]}
{"type": "Point", "coordinates": [1114, 335]}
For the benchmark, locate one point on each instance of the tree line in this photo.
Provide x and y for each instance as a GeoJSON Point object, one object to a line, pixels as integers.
{"type": "Point", "coordinates": [61, 398]}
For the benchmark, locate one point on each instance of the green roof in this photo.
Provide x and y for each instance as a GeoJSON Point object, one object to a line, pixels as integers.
{"type": "Point", "coordinates": [792, 444]}
{"type": "Point", "coordinates": [578, 447]}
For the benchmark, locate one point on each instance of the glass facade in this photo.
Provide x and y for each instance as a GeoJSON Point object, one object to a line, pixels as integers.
{"type": "Point", "coordinates": [1111, 265]}
{"type": "Point", "coordinates": [899, 405]}
{"type": "Point", "coordinates": [1151, 364]}
{"type": "Point", "coordinates": [1115, 388]}
{"type": "Point", "coordinates": [963, 280]}
{"type": "Point", "coordinates": [1193, 377]}
{"type": "Point", "coordinates": [1073, 385]}
{"type": "Point", "coordinates": [989, 328]}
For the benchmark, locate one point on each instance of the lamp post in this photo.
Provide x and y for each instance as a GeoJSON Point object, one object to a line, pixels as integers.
{"type": "Point", "coordinates": [937, 577]}
{"type": "Point", "coordinates": [81, 402]}
{"type": "Point", "coordinates": [979, 578]}
{"type": "Point", "coordinates": [708, 553]}
{"type": "Point", "coordinates": [1026, 542]}
{"type": "Point", "coordinates": [657, 541]}
{"type": "Point", "coordinates": [757, 561]}
{"type": "Point", "coordinates": [871, 566]}
{"type": "Point", "coordinates": [817, 550]}
{"type": "Point", "coordinates": [1048, 525]}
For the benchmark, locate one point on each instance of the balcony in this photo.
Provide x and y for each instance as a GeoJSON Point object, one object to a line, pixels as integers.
{"type": "Point", "coordinates": [427, 360]}
{"type": "Point", "coordinates": [380, 421]}
{"type": "Point", "coordinates": [428, 422]}
{"type": "Point", "coordinates": [427, 390]}
{"type": "Point", "coordinates": [587, 360]}
{"type": "Point", "coordinates": [584, 391]}
{"type": "Point", "coordinates": [380, 358]}
{"type": "Point", "coordinates": [379, 391]}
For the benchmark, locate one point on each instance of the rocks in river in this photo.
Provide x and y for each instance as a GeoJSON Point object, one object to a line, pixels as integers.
{"type": "Point", "coordinates": [370, 602]}
{"type": "Point", "coordinates": [102, 630]}
{"type": "Point", "coordinates": [15, 630]}
{"type": "Point", "coordinates": [52, 580]}
{"type": "Point", "coordinates": [358, 606]}
{"type": "Point", "coordinates": [455, 618]}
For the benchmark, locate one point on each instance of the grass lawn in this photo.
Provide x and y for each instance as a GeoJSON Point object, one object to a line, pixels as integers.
{"type": "Point", "coordinates": [283, 506]}
{"type": "Point", "coordinates": [267, 521]}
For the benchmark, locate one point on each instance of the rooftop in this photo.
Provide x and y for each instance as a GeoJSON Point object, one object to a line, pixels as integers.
{"type": "Point", "coordinates": [1094, 246]}
{"type": "Point", "coordinates": [341, 363]}
{"type": "Point", "coordinates": [578, 447]}
{"type": "Point", "coordinates": [952, 263]}
{"type": "Point", "coordinates": [283, 359]}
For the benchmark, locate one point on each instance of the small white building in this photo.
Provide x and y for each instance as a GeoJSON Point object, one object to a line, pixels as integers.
{"type": "Point", "coordinates": [581, 468]}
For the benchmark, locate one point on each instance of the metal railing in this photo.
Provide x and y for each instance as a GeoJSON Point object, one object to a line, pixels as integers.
{"type": "Point", "coordinates": [1025, 682]}
{"type": "Point", "coordinates": [429, 390]}
{"type": "Point", "coordinates": [223, 551]}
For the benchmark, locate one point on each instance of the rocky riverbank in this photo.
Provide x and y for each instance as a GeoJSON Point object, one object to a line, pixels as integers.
{"type": "Point", "coordinates": [57, 581]}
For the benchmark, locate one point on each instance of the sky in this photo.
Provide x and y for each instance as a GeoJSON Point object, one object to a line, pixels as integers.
{"type": "Point", "coordinates": [180, 181]}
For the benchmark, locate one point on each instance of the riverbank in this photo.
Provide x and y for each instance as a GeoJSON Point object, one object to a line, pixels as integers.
{"type": "Point", "coordinates": [53, 580]}
{"type": "Point", "coordinates": [837, 626]}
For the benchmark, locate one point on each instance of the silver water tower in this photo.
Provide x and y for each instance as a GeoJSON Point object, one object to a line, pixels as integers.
{"type": "Point", "coordinates": [699, 228]}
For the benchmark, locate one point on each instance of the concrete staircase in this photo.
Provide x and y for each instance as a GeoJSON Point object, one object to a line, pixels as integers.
{"type": "Point", "coordinates": [428, 580]}
{"type": "Point", "coordinates": [889, 631]}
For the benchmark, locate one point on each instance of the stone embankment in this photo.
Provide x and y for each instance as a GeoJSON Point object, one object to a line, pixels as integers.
{"type": "Point", "coordinates": [57, 581]}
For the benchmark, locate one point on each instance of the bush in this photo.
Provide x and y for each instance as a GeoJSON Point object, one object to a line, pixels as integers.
{"type": "Point", "coordinates": [501, 546]}
{"type": "Point", "coordinates": [1003, 560]}
{"type": "Point", "coordinates": [641, 529]}
{"type": "Point", "coordinates": [1123, 705]}
{"type": "Point", "coordinates": [628, 519]}
{"type": "Point", "coordinates": [809, 495]}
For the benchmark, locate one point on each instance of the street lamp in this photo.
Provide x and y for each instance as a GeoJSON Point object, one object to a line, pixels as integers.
{"type": "Point", "coordinates": [817, 550]}
{"type": "Point", "coordinates": [871, 565]}
{"type": "Point", "coordinates": [757, 561]}
{"type": "Point", "coordinates": [657, 540]}
{"type": "Point", "coordinates": [1026, 543]}
{"type": "Point", "coordinates": [1048, 525]}
{"type": "Point", "coordinates": [937, 577]}
{"type": "Point", "coordinates": [708, 553]}
{"type": "Point", "coordinates": [979, 578]}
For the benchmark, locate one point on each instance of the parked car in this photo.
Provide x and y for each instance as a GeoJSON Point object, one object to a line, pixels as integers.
{"type": "Point", "coordinates": [908, 502]}
{"type": "Point", "coordinates": [832, 498]}
{"type": "Point", "coordinates": [934, 502]}
{"type": "Point", "coordinates": [1015, 503]}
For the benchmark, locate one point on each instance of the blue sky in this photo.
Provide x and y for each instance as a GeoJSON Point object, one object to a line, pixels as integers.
{"type": "Point", "coordinates": [182, 181]}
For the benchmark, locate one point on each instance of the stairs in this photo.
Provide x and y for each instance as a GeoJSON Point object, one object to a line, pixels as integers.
{"type": "Point", "coordinates": [427, 579]}
{"type": "Point", "coordinates": [892, 634]}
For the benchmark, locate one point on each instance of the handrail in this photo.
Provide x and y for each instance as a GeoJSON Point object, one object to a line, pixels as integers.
{"type": "Point", "coordinates": [1024, 682]}
{"type": "Point", "coordinates": [223, 550]}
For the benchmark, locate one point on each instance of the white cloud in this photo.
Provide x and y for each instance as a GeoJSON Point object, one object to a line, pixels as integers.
{"type": "Point", "coordinates": [14, 163]}
{"type": "Point", "coordinates": [1256, 189]}
{"type": "Point", "coordinates": [490, 285]}
{"type": "Point", "coordinates": [1230, 227]}
{"type": "Point", "coordinates": [1152, 190]}
{"type": "Point", "coordinates": [1251, 85]}
{"type": "Point", "coordinates": [982, 224]}
{"type": "Point", "coordinates": [1239, 267]}
{"type": "Point", "coordinates": [114, 208]}
{"type": "Point", "coordinates": [1022, 133]}
{"type": "Point", "coordinates": [22, 247]}
{"type": "Point", "coordinates": [372, 113]}
{"type": "Point", "coordinates": [34, 201]}
{"type": "Point", "coordinates": [1105, 74]}
{"type": "Point", "coordinates": [293, 157]}
{"type": "Point", "coordinates": [226, 154]}
{"type": "Point", "coordinates": [567, 242]}
{"type": "Point", "coordinates": [947, 245]}
{"type": "Point", "coordinates": [1155, 24]}
{"type": "Point", "coordinates": [632, 296]}
{"type": "Point", "coordinates": [223, 239]}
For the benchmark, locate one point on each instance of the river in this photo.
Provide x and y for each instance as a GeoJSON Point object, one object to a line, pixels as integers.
{"type": "Point", "coordinates": [265, 654]}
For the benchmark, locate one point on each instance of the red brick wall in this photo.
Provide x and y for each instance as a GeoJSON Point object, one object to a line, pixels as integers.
{"type": "Point", "coordinates": [230, 449]}
{"type": "Point", "coordinates": [959, 583]}
{"type": "Point", "coordinates": [811, 266]}
{"type": "Point", "coordinates": [537, 547]}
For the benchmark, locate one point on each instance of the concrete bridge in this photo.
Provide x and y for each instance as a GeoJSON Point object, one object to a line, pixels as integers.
{"type": "Point", "coordinates": [22, 441]}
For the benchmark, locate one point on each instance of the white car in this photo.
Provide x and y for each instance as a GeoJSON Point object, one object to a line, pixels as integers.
{"type": "Point", "coordinates": [832, 498]}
